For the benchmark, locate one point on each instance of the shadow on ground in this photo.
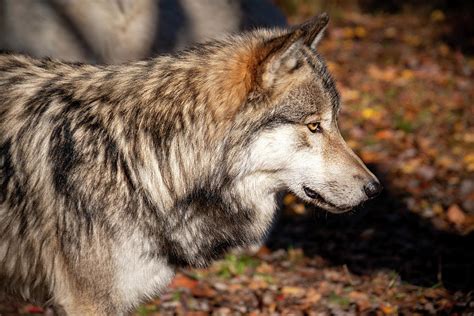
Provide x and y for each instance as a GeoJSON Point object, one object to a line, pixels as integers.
{"type": "Point", "coordinates": [382, 235]}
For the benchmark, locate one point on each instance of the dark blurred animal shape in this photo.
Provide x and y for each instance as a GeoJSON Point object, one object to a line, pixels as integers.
{"type": "Point", "coordinates": [114, 31]}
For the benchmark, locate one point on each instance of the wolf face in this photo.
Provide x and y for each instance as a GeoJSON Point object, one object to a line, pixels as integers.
{"type": "Point", "coordinates": [303, 148]}
{"type": "Point", "coordinates": [314, 162]}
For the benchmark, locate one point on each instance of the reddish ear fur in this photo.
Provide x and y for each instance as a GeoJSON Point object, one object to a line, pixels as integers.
{"type": "Point", "coordinates": [282, 53]}
{"type": "Point", "coordinates": [264, 68]}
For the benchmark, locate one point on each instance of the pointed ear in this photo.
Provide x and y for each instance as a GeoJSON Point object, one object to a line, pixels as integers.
{"type": "Point", "coordinates": [282, 57]}
{"type": "Point", "coordinates": [314, 29]}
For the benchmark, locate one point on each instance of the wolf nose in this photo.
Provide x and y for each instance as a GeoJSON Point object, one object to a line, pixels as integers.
{"type": "Point", "coordinates": [372, 189]}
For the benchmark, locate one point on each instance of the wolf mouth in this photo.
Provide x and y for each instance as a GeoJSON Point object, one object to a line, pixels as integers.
{"type": "Point", "coordinates": [322, 201]}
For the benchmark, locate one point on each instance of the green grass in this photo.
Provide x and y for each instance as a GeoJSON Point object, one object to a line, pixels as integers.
{"type": "Point", "coordinates": [146, 310]}
{"type": "Point", "coordinates": [234, 265]}
{"type": "Point", "coordinates": [403, 124]}
{"type": "Point", "coordinates": [342, 301]}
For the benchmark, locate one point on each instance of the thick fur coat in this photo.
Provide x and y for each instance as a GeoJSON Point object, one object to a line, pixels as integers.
{"type": "Point", "coordinates": [113, 176]}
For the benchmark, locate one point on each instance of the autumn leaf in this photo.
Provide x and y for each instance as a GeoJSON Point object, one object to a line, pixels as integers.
{"type": "Point", "coordinates": [456, 215]}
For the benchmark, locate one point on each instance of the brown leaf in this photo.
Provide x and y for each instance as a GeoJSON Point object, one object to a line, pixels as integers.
{"type": "Point", "coordinates": [292, 291]}
{"type": "Point", "coordinates": [257, 284]}
{"type": "Point", "coordinates": [370, 156]}
{"type": "Point", "coordinates": [196, 313]}
{"type": "Point", "coordinates": [203, 290]}
{"type": "Point", "coordinates": [312, 296]}
{"type": "Point", "coordinates": [385, 134]}
{"type": "Point", "coordinates": [388, 309]}
{"type": "Point", "coordinates": [456, 215]}
{"type": "Point", "coordinates": [264, 268]}
{"type": "Point", "coordinates": [263, 251]}
{"type": "Point", "coordinates": [361, 299]}
{"type": "Point", "coordinates": [182, 281]}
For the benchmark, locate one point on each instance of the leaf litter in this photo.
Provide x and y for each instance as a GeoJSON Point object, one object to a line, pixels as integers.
{"type": "Point", "coordinates": [408, 113]}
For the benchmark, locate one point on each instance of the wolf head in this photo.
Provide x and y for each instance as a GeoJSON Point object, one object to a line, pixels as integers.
{"type": "Point", "coordinates": [295, 104]}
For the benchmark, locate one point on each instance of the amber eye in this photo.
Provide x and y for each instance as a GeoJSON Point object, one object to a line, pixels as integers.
{"type": "Point", "coordinates": [315, 127]}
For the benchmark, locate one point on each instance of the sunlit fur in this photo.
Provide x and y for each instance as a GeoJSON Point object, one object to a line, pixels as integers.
{"type": "Point", "coordinates": [111, 177]}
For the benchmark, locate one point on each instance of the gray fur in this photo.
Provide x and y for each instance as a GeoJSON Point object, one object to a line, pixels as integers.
{"type": "Point", "coordinates": [113, 176]}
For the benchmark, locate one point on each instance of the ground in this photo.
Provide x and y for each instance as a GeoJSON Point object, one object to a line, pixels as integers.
{"type": "Point", "coordinates": [408, 113]}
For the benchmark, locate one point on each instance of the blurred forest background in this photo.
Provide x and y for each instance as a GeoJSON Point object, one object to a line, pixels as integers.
{"type": "Point", "coordinates": [405, 71]}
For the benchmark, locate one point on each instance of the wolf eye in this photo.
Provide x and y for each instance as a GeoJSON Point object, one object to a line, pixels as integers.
{"type": "Point", "coordinates": [315, 127]}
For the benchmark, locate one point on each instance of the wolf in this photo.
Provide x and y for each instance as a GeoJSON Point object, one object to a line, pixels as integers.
{"type": "Point", "coordinates": [112, 177]}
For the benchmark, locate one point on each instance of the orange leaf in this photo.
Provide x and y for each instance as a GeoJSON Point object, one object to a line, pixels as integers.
{"type": "Point", "coordinates": [292, 291]}
{"type": "Point", "coordinates": [183, 282]}
{"type": "Point", "coordinates": [384, 134]}
{"type": "Point", "coordinates": [388, 309]}
{"type": "Point", "coordinates": [456, 215]}
{"type": "Point", "coordinates": [202, 290]}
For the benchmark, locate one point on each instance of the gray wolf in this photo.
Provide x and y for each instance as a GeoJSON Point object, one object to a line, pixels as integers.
{"type": "Point", "coordinates": [116, 31]}
{"type": "Point", "coordinates": [111, 177]}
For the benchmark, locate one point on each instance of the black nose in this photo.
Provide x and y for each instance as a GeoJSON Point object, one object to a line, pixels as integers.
{"type": "Point", "coordinates": [372, 189]}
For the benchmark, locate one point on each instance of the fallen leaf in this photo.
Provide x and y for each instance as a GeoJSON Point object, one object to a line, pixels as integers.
{"type": "Point", "coordinates": [438, 209]}
{"type": "Point", "coordinates": [196, 313]}
{"type": "Point", "coordinates": [388, 309]}
{"type": "Point", "coordinates": [264, 268]}
{"type": "Point", "coordinates": [203, 290]}
{"type": "Point", "coordinates": [257, 284]}
{"type": "Point", "coordinates": [469, 162]}
{"type": "Point", "coordinates": [384, 74]}
{"type": "Point", "coordinates": [390, 32]}
{"type": "Point", "coordinates": [350, 95]}
{"type": "Point", "coordinates": [456, 215]}
{"type": "Point", "coordinates": [182, 281]}
{"type": "Point", "coordinates": [263, 251]}
{"type": "Point", "coordinates": [370, 156]}
{"type": "Point", "coordinates": [312, 296]}
{"type": "Point", "coordinates": [360, 32]}
{"type": "Point", "coordinates": [411, 166]}
{"type": "Point", "coordinates": [361, 299]}
{"type": "Point", "coordinates": [437, 16]}
{"type": "Point", "coordinates": [295, 254]}
{"type": "Point", "coordinates": [292, 291]}
{"type": "Point", "coordinates": [370, 113]}
{"type": "Point", "coordinates": [426, 172]}
{"type": "Point", "coordinates": [385, 134]}
{"type": "Point", "coordinates": [348, 32]}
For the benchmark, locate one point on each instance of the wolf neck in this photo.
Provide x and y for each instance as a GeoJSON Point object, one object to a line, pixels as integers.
{"type": "Point", "coordinates": [188, 166]}
{"type": "Point", "coordinates": [187, 104]}
{"type": "Point", "coordinates": [208, 83]}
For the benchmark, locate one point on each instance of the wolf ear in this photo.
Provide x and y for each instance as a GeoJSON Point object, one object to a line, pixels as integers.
{"type": "Point", "coordinates": [314, 29]}
{"type": "Point", "coordinates": [282, 56]}
{"type": "Point", "coordinates": [282, 53]}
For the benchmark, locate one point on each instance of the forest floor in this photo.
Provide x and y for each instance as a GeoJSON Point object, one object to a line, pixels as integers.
{"type": "Point", "coordinates": [408, 113]}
